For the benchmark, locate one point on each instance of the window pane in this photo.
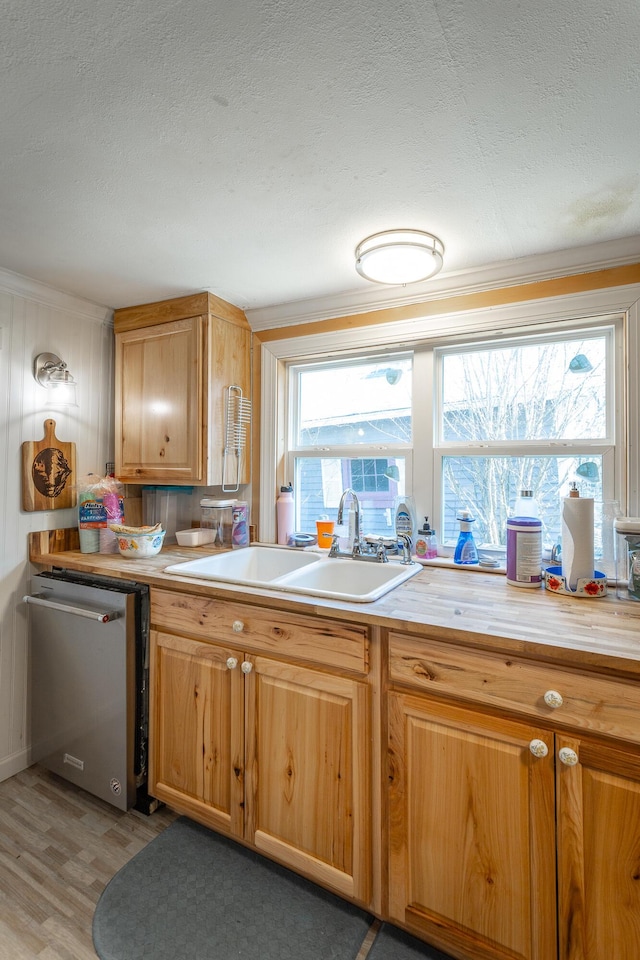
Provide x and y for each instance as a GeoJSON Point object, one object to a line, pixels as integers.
{"type": "Point", "coordinates": [320, 481]}
{"type": "Point", "coordinates": [536, 391]}
{"type": "Point", "coordinates": [353, 403]}
{"type": "Point", "coordinates": [488, 487]}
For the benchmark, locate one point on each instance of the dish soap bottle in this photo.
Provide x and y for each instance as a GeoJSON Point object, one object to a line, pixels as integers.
{"type": "Point", "coordinates": [405, 517]}
{"type": "Point", "coordinates": [426, 545]}
{"type": "Point", "coordinates": [466, 550]}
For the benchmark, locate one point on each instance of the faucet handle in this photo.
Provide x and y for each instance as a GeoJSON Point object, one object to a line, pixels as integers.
{"type": "Point", "coordinates": [333, 549]}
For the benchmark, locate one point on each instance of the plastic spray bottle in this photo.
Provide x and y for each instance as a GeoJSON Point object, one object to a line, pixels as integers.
{"type": "Point", "coordinates": [466, 551]}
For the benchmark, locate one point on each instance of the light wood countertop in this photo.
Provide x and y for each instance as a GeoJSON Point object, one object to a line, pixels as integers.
{"type": "Point", "coordinates": [469, 607]}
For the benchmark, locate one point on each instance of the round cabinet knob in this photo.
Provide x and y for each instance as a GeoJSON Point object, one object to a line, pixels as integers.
{"type": "Point", "coordinates": [553, 699]}
{"type": "Point", "coordinates": [246, 666]}
{"type": "Point", "coordinates": [568, 756]}
{"type": "Point", "coordinates": [232, 663]}
{"type": "Point", "coordinates": [539, 748]}
{"type": "Point", "coordinates": [237, 626]}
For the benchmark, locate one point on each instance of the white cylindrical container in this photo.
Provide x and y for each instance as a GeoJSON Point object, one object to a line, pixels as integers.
{"type": "Point", "coordinates": [285, 515]}
{"type": "Point", "coordinates": [524, 543]}
{"type": "Point", "coordinates": [524, 552]}
{"type": "Point", "coordinates": [218, 515]}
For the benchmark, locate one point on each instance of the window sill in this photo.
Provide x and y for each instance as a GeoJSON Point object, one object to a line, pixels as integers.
{"type": "Point", "coordinates": [448, 562]}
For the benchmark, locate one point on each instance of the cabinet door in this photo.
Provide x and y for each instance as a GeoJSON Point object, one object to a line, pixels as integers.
{"type": "Point", "coordinates": [160, 403]}
{"type": "Point", "coordinates": [307, 773]}
{"type": "Point", "coordinates": [197, 718]}
{"type": "Point", "coordinates": [229, 363]}
{"type": "Point", "coordinates": [472, 831]}
{"type": "Point", "coordinates": [598, 851]}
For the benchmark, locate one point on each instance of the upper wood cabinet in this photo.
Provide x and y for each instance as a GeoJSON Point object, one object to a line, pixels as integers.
{"type": "Point", "coordinates": [175, 360]}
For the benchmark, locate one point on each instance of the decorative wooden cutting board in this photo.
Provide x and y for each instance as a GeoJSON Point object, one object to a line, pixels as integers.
{"type": "Point", "coordinates": [48, 472]}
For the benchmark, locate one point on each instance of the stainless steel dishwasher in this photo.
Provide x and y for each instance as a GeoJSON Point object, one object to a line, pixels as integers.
{"type": "Point", "coordinates": [88, 674]}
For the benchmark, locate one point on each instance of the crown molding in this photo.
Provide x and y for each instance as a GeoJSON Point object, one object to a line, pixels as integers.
{"type": "Point", "coordinates": [548, 266]}
{"type": "Point", "coordinates": [571, 308]}
{"type": "Point", "coordinates": [19, 286]}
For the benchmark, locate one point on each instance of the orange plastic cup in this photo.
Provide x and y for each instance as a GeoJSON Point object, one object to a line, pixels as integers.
{"type": "Point", "coordinates": [325, 532]}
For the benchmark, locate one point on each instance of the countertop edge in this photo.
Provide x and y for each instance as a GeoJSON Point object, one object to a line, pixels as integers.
{"type": "Point", "coordinates": [480, 611]}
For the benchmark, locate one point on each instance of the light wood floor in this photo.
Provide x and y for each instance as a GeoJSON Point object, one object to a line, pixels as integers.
{"type": "Point", "coordinates": [59, 847]}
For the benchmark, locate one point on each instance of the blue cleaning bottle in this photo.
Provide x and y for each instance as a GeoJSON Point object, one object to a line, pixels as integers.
{"type": "Point", "coordinates": [466, 550]}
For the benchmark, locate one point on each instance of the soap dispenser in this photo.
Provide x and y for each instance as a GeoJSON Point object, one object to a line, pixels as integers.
{"type": "Point", "coordinates": [426, 544]}
{"type": "Point", "coordinates": [466, 551]}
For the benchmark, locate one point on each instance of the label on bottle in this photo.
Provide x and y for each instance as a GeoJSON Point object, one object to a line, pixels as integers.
{"type": "Point", "coordinates": [425, 548]}
{"type": "Point", "coordinates": [524, 552]}
{"type": "Point", "coordinates": [468, 553]}
{"type": "Point", "coordinates": [240, 525]}
{"type": "Point", "coordinates": [403, 522]}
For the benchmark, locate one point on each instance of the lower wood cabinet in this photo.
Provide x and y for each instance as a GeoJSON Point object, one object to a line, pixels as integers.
{"type": "Point", "coordinates": [509, 841]}
{"type": "Point", "coordinates": [472, 824]}
{"type": "Point", "coordinates": [598, 816]}
{"type": "Point", "coordinates": [197, 730]}
{"type": "Point", "coordinates": [511, 787]}
{"type": "Point", "coordinates": [273, 753]}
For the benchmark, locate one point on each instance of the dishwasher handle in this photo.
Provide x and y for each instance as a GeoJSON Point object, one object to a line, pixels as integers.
{"type": "Point", "coordinates": [67, 608]}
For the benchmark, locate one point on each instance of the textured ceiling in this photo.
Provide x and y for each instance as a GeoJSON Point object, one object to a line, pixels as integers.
{"type": "Point", "coordinates": [151, 148]}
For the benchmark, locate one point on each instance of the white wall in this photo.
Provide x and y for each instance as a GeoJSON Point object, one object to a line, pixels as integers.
{"type": "Point", "coordinates": [35, 319]}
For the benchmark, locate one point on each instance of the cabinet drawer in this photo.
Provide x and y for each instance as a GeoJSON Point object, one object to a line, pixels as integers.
{"type": "Point", "coordinates": [320, 640]}
{"type": "Point", "coordinates": [588, 702]}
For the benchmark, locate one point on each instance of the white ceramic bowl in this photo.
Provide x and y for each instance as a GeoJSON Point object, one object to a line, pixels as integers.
{"type": "Point", "coordinates": [137, 546]}
{"type": "Point", "coordinates": [195, 536]}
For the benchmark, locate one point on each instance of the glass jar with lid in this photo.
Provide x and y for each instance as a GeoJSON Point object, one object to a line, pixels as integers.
{"type": "Point", "coordinates": [218, 515]}
{"type": "Point", "coordinates": [627, 546]}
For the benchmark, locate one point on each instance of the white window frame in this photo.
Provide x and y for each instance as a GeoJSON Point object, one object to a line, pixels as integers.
{"type": "Point", "coordinates": [597, 307]}
{"type": "Point", "coordinates": [610, 447]}
{"type": "Point", "coordinates": [340, 451]}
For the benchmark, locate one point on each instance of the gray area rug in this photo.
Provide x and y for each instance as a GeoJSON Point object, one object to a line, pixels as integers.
{"type": "Point", "coordinates": [394, 944]}
{"type": "Point", "coordinates": [194, 895]}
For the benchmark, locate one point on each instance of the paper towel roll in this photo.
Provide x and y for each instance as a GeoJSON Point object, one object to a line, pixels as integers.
{"type": "Point", "coordinates": [577, 539]}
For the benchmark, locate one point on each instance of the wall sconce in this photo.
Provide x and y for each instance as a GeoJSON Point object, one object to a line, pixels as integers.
{"type": "Point", "coordinates": [399, 256]}
{"type": "Point", "coordinates": [51, 372]}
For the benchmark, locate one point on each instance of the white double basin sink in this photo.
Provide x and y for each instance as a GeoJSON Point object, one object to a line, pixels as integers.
{"type": "Point", "coordinates": [282, 568]}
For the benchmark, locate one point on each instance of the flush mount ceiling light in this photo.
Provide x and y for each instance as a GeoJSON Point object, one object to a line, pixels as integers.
{"type": "Point", "coordinates": [399, 256]}
{"type": "Point", "coordinates": [51, 372]}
